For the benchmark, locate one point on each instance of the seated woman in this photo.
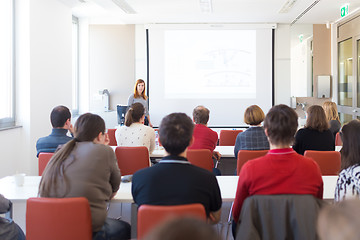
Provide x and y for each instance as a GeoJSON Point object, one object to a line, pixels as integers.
{"type": "Point", "coordinates": [9, 230]}
{"type": "Point", "coordinates": [316, 134]}
{"type": "Point", "coordinates": [253, 138]}
{"type": "Point", "coordinates": [348, 183]}
{"type": "Point", "coordinates": [332, 116]}
{"type": "Point", "coordinates": [281, 170]}
{"type": "Point", "coordinates": [99, 180]}
{"type": "Point", "coordinates": [135, 133]}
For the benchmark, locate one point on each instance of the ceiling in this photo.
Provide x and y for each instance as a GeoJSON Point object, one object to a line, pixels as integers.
{"type": "Point", "coordinates": [223, 11]}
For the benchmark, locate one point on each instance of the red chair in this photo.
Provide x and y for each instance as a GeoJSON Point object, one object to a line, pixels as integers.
{"type": "Point", "coordinates": [338, 141]}
{"type": "Point", "coordinates": [201, 158]}
{"type": "Point", "coordinates": [150, 216]}
{"type": "Point", "coordinates": [246, 155]}
{"type": "Point", "coordinates": [58, 219]}
{"type": "Point", "coordinates": [111, 133]}
{"type": "Point", "coordinates": [228, 137]}
{"type": "Point", "coordinates": [131, 159]}
{"type": "Point", "coordinates": [44, 158]}
{"type": "Point", "coordinates": [328, 161]}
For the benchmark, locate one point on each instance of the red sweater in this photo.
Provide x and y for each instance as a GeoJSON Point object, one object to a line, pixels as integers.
{"type": "Point", "coordinates": [204, 138]}
{"type": "Point", "coordinates": [281, 171]}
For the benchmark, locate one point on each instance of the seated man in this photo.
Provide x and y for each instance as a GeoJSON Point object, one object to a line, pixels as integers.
{"type": "Point", "coordinates": [174, 181]}
{"type": "Point", "coordinates": [204, 137]}
{"type": "Point", "coordinates": [60, 118]}
{"type": "Point", "coordinates": [282, 170]}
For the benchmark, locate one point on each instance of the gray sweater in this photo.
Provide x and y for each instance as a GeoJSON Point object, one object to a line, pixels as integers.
{"type": "Point", "coordinates": [144, 102]}
{"type": "Point", "coordinates": [91, 171]}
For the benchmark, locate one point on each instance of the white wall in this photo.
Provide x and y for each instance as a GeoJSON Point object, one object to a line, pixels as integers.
{"type": "Point", "coordinates": [43, 78]}
{"type": "Point", "coordinates": [282, 64]}
{"type": "Point", "coordinates": [111, 63]}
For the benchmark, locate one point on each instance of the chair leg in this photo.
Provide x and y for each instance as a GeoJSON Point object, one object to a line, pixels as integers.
{"type": "Point", "coordinates": [229, 226]}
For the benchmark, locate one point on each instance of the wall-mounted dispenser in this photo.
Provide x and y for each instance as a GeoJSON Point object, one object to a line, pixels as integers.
{"type": "Point", "coordinates": [323, 87]}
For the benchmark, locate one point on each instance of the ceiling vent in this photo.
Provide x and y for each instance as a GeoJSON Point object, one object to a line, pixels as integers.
{"type": "Point", "coordinates": [304, 12]}
{"type": "Point", "coordinates": [287, 6]}
{"type": "Point", "coordinates": [124, 6]}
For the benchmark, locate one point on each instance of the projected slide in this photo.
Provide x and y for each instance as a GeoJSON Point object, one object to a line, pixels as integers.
{"type": "Point", "coordinates": [214, 64]}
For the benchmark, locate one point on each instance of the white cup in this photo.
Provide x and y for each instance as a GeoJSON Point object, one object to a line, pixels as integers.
{"type": "Point", "coordinates": [19, 179]}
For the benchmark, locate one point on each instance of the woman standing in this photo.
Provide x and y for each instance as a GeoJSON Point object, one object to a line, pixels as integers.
{"type": "Point", "coordinates": [135, 133]}
{"type": "Point", "coordinates": [332, 116]}
{"type": "Point", "coordinates": [348, 183]}
{"type": "Point", "coordinates": [140, 96]}
{"type": "Point", "coordinates": [86, 167]}
{"type": "Point", "coordinates": [316, 134]}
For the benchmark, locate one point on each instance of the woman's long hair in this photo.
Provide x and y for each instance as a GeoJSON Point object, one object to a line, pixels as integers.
{"type": "Point", "coordinates": [331, 111]}
{"type": "Point", "coordinates": [316, 119]}
{"type": "Point", "coordinates": [87, 128]}
{"type": "Point", "coordinates": [136, 94]}
{"type": "Point", "coordinates": [350, 152]}
{"type": "Point", "coordinates": [134, 114]}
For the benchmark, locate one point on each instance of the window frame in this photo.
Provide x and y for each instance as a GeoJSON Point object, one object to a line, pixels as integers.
{"type": "Point", "coordinates": [75, 72]}
{"type": "Point", "coordinates": [9, 122]}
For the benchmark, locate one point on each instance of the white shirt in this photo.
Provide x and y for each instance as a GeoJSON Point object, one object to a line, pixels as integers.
{"type": "Point", "coordinates": [136, 135]}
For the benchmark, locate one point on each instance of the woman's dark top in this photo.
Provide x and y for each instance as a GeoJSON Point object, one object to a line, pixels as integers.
{"type": "Point", "coordinates": [309, 139]}
{"type": "Point", "coordinates": [334, 127]}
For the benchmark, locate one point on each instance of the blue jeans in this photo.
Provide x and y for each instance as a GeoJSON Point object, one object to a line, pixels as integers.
{"type": "Point", "coordinates": [113, 229]}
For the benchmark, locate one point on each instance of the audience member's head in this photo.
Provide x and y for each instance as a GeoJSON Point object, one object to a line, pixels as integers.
{"type": "Point", "coordinates": [175, 132]}
{"type": "Point", "coordinates": [88, 127]}
{"type": "Point", "coordinates": [316, 119]}
{"type": "Point", "coordinates": [280, 125]}
{"type": "Point", "coordinates": [254, 115]}
{"type": "Point", "coordinates": [59, 116]}
{"type": "Point", "coordinates": [340, 221]}
{"type": "Point", "coordinates": [201, 115]}
{"type": "Point", "coordinates": [184, 228]}
{"type": "Point", "coordinates": [331, 111]}
{"type": "Point", "coordinates": [350, 135]}
{"type": "Point", "coordinates": [134, 114]}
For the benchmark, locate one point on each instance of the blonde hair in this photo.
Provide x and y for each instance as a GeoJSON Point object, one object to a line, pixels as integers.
{"type": "Point", "coordinates": [254, 115]}
{"type": "Point", "coordinates": [331, 111]}
{"type": "Point", "coordinates": [136, 94]}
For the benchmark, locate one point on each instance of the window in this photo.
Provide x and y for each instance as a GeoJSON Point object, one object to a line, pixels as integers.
{"type": "Point", "coordinates": [75, 66]}
{"type": "Point", "coordinates": [7, 80]}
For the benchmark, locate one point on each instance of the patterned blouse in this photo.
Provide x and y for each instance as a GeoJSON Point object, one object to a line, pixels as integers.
{"type": "Point", "coordinates": [348, 183]}
{"type": "Point", "coordinates": [136, 134]}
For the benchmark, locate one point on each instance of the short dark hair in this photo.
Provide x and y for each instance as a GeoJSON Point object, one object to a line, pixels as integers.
{"type": "Point", "coordinates": [281, 124]}
{"type": "Point", "coordinates": [350, 135]}
{"type": "Point", "coordinates": [59, 115]}
{"type": "Point", "coordinates": [201, 115]}
{"type": "Point", "coordinates": [175, 132]}
{"type": "Point", "coordinates": [183, 228]}
{"type": "Point", "coordinates": [316, 119]}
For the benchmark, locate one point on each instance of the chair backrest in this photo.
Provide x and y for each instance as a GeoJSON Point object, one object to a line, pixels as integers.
{"type": "Point", "coordinates": [338, 141]}
{"type": "Point", "coordinates": [328, 161]}
{"type": "Point", "coordinates": [58, 219]}
{"type": "Point", "coordinates": [246, 155]}
{"type": "Point", "coordinates": [279, 217]}
{"type": "Point", "coordinates": [44, 158]}
{"type": "Point", "coordinates": [111, 133]}
{"type": "Point", "coordinates": [228, 137]}
{"type": "Point", "coordinates": [201, 158]}
{"type": "Point", "coordinates": [150, 216]}
{"type": "Point", "coordinates": [131, 159]}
